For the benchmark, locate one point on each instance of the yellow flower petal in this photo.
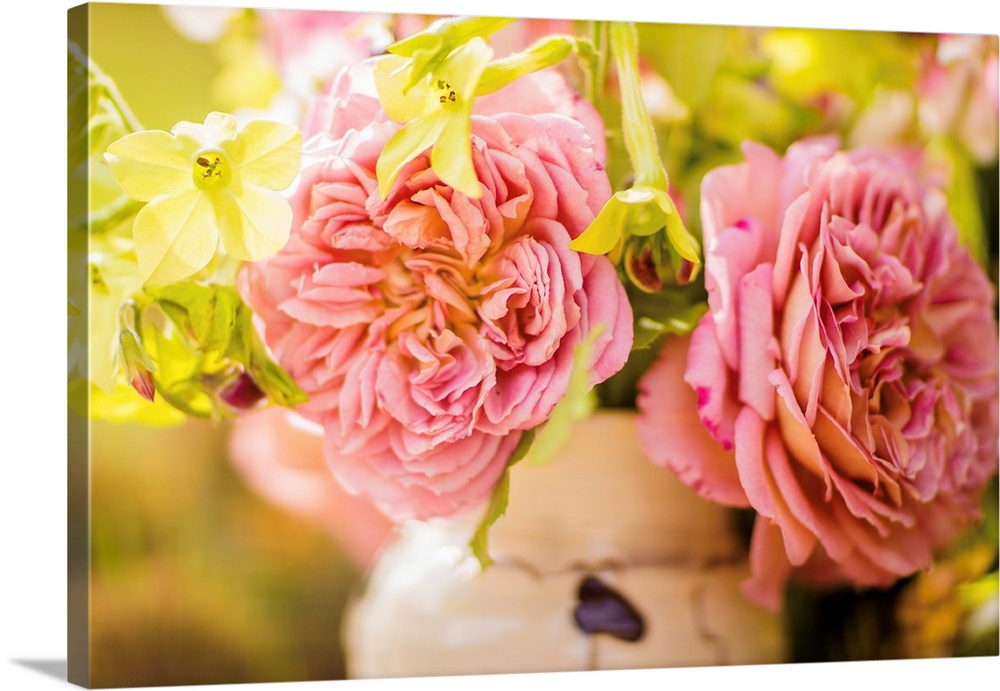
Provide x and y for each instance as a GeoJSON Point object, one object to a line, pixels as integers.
{"type": "Point", "coordinates": [403, 147]}
{"type": "Point", "coordinates": [266, 154]}
{"type": "Point", "coordinates": [451, 158]}
{"type": "Point", "coordinates": [218, 128]}
{"type": "Point", "coordinates": [253, 224]}
{"type": "Point", "coordinates": [392, 73]}
{"type": "Point", "coordinates": [463, 69]}
{"type": "Point", "coordinates": [150, 163]}
{"type": "Point", "coordinates": [605, 231]}
{"type": "Point", "coordinates": [680, 237]}
{"type": "Point", "coordinates": [175, 236]}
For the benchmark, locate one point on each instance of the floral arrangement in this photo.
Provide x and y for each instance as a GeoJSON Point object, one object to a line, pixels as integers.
{"type": "Point", "coordinates": [444, 242]}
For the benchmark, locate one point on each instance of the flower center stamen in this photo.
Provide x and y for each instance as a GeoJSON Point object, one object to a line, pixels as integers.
{"type": "Point", "coordinates": [446, 94]}
{"type": "Point", "coordinates": [211, 171]}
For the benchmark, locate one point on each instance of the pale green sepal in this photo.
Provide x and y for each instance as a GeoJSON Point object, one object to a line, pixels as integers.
{"type": "Point", "coordinates": [272, 379]}
{"type": "Point", "coordinates": [136, 363]}
{"type": "Point", "coordinates": [545, 52]}
{"type": "Point", "coordinates": [209, 311]}
{"type": "Point", "coordinates": [498, 504]}
{"type": "Point", "coordinates": [211, 339]}
{"type": "Point", "coordinates": [432, 46]}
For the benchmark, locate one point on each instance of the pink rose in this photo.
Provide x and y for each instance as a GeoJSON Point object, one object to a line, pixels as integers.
{"type": "Point", "coordinates": [845, 376]}
{"type": "Point", "coordinates": [431, 330]}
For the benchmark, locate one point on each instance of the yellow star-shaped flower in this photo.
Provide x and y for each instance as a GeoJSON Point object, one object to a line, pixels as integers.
{"type": "Point", "coordinates": [207, 184]}
{"type": "Point", "coordinates": [430, 80]}
{"type": "Point", "coordinates": [438, 112]}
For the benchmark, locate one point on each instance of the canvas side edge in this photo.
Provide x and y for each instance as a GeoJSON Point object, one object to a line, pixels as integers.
{"type": "Point", "coordinates": [78, 426]}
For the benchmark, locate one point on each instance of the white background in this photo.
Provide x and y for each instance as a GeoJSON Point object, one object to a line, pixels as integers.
{"type": "Point", "coordinates": [32, 337]}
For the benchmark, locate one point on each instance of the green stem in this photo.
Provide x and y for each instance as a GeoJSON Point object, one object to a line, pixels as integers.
{"type": "Point", "coordinates": [112, 214]}
{"type": "Point", "coordinates": [99, 79]}
{"type": "Point", "coordinates": [637, 127]}
{"type": "Point", "coordinates": [597, 74]}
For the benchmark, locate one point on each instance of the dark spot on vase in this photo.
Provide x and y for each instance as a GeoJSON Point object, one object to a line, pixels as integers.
{"type": "Point", "coordinates": [601, 609]}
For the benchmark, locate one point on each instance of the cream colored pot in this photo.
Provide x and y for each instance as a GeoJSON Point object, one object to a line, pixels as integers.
{"type": "Point", "coordinates": [603, 561]}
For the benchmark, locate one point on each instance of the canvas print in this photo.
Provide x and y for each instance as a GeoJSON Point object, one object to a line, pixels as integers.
{"type": "Point", "coordinates": [409, 346]}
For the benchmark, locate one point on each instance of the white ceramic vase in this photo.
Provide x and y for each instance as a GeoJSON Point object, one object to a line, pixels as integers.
{"type": "Point", "coordinates": [603, 561]}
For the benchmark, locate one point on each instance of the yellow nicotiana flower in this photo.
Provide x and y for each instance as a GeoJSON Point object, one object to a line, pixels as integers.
{"type": "Point", "coordinates": [430, 80]}
{"type": "Point", "coordinates": [205, 184]}
{"type": "Point", "coordinates": [438, 107]}
{"type": "Point", "coordinates": [646, 207]}
{"type": "Point", "coordinates": [438, 112]}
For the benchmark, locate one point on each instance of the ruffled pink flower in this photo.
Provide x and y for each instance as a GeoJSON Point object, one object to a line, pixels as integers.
{"type": "Point", "coordinates": [844, 381]}
{"type": "Point", "coordinates": [431, 330]}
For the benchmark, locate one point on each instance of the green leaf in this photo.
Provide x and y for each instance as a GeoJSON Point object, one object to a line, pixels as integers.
{"type": "Point", "coordinates": [577, 404]}
{"type": "Point", "coordinates": [241, 341]}
{"type": "Point", "coordinates": [214, 340]}
{"type": "Point", "coordinates": [208, 311]}
{"type": "Point", "coordinates": [273, 380]}
{"type": "Point", "coordinates": [963, 194]}
{"type": "Point", "coordinates": [222, 320]}
{"type": "Point", "coordinates": [498, 504]}
{"type": "Point", "coordinates": [183, 375]}
{"type": "Point", "coordinates": [648, 329]}
{"type": "Point", "coordinates": [98, 114]}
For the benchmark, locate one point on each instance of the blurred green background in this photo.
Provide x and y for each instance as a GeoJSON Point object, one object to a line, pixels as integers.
{"type": "Point", "coordinates": [163, 76]}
